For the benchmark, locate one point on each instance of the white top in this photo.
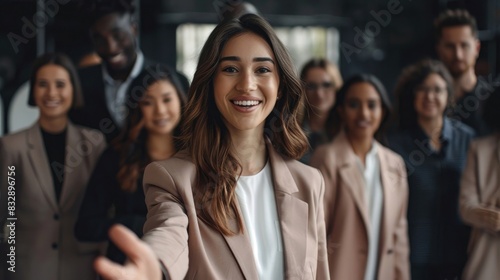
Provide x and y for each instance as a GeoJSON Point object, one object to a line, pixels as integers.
{"type": "Point", "coordinates": [374, 202]}
{"type": "Point", "coordinates": [116, 91]}
{"type": "Point", "coordinates": [258, 207]}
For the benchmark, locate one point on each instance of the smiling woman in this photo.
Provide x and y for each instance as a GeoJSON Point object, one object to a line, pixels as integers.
{"type": "Point", "coordinates": [234, 203]}
{"type": "Point", "coordinates": [366, 192]}
{"type": "Point", "coordinates": [155, 101]}
{"type": "Point", "coordinates": [246, 83]}
{"type": "Point", "coordinates": [434, 148]}
{"type": "Point", "coordinates": [53, 160]}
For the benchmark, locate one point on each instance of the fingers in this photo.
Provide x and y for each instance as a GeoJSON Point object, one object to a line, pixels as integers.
{"type": "Point", "coordinates": [127, 241]}
{"type": "Point", "coordinates": [141, 261]}
{"type": "Point", "coordinates": [109, 270]}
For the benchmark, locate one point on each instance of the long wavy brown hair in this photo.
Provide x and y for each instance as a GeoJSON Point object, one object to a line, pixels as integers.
{"type": "Point", "coordinates": [131, 143]}
{"type": "Point", "coordinates": [206, 137]}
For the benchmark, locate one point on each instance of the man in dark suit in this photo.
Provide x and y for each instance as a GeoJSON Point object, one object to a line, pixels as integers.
{"type": "Point", "coordinates": [113, 31]}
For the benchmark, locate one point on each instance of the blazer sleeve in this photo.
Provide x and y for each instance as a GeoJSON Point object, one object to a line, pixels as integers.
{"type": "Point", "coordinates": [166, 224]}
{"type": "Point", "coordinates": [322, 268]}
{"type": "Point", "coordinates": [401, 244]}
{"type": "Point", "coordinates": [471, 208]}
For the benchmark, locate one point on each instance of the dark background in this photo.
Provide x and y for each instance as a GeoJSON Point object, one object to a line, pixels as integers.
{"type": "Point", "coordinates": [407, 38]}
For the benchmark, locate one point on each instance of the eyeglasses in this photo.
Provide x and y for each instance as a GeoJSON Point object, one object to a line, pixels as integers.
{"type": "Point", "coordinates": [426, 90]}
{"type": "Point", "coordinates": [316, 86]}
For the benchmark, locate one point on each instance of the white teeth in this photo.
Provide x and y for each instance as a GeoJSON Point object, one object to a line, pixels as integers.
{"type": "Point", "coordinates": [363, 123]}
{"type": "Point", "coordinates": [52, 103]}
{"type": "Point", "coordinates": [116, 58]}
{"type": "Point", "coordinates": [161, 122]}
{"type": "Point", "coordinates": [247, 103]}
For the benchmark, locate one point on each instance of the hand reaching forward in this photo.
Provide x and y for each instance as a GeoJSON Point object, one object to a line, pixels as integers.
{"type": "Point", "coordinates": [141, 262]}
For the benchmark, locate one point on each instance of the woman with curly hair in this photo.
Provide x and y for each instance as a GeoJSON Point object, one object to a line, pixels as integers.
{"type": "Point", "coordinates": [434, 148]}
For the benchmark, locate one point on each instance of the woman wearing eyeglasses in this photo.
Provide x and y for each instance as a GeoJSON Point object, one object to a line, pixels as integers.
{"type": "Point", "coordinates": [322, 79]}
{"type": "Point", "coordinates": [434, 148]}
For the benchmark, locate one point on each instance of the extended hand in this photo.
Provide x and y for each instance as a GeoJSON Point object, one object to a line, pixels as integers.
{"type": "Point", "coordinates": [141, 263]}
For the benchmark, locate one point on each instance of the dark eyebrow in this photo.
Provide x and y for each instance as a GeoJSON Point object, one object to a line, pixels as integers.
{"type": "Point", "coordinates": [263, 59]}
{"type": "Point", "coordinates": [257, 59]}
{"type": "Point", "coordinates": [230, 58]}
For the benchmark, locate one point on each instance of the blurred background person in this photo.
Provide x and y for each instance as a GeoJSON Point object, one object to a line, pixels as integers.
{"type": "Point", "coordinates": [53, 161]}
{"type": "Point", "coordinates": [458, 47]}
{"type": "Point", "coordinates": [434, 148]}
{"type": "Point", "coordinates": [155, 100]}
{"type": "Point", "coordinates": [113, 31]}
{"type": "Point", "coordinates": [480, 199]}
{"type": "Point", "coordinates": [322, 79]}
{"type": "Point", "coordinates": [366, 192]}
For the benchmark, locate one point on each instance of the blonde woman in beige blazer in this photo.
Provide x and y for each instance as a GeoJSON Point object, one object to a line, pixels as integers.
{"type": "Point", "coordinates": [366, 191]}
{"type": "Point", "coordinates": [480, 199]}
{"type": "Point", "coordinates": [44, 216]}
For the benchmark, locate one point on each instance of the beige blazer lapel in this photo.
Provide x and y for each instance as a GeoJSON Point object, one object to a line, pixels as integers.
{"type": "Point", "coordinates": [242, 250]}
{"type": "Point", "coordinates": [350, 175]}
{"type": "Point", "coordinates": [293, 215]}
{"type": "Point", "coordinates": [72, 169]}
{"type": "Point", "coordinates": [40, 164]}
{"type": "Point", "coordinates": [390, 182]}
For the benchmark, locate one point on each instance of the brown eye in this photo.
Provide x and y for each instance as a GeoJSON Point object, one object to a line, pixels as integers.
{"type": "Point", "coordinates": [263, 70]}
{"type": "Point", "coordinates": [353, 104]}
{"type": "Point", "coordinates": [372, 105]}
{"type": "Point", "coordinates": [60, 84]}
{"type": "Point", "coordinates": [41, 83]}
{"type": "Point", "coordinates": [229, 69]}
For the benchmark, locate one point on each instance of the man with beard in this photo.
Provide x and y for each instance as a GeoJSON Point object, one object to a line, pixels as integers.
{"type": "Point", "coordinates": [113, 32]}
{"type": "Point", "coordinates": [458, 48]}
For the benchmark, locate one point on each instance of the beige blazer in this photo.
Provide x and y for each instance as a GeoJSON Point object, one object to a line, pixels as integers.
{"type": "Point", "coordinates": [347, 218]}
{"type": "Point", "coordinates": [45, 245]}
{"type": "Point", "coordinates": [480, 188]}
{"type": "Point", "coordinates": [190, 249]}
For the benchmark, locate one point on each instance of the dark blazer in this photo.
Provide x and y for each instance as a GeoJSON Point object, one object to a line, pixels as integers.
{"type": "Point", "coordinates": [46, 247]}
{"type": "Point", "coordinates": [95, 113]}
{"type": "Point", "coordinates": [103, 194]}
{"type": "Point", "coordinates": [190, 249]}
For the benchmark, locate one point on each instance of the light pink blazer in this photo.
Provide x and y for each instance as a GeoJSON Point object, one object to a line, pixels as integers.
{"type": "Point", "coordinates": [480, 188]}
{"type": "Point", "coordinates": [190, 249]}
{"type": "Point", "coordinates": [347, 218]}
